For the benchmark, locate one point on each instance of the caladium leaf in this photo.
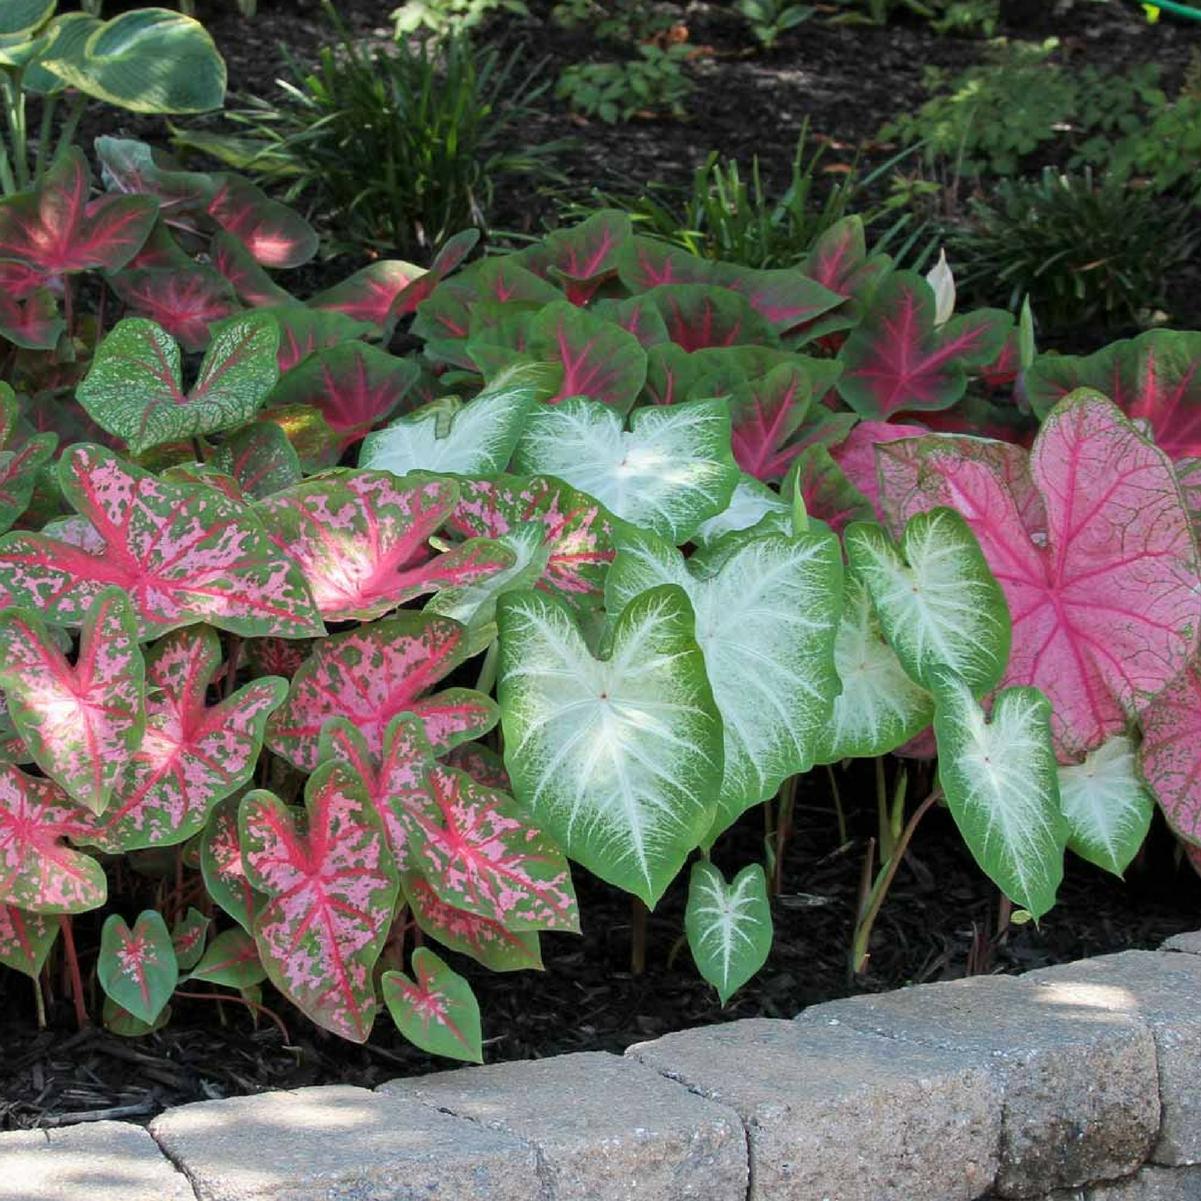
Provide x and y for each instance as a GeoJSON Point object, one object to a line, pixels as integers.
{"type": "Point", "coordinates": [185, 303]}
{"type": "Point", "coordinates": [82, 722]}
{"type": "Point", "coordinates": [32, 323]}
{"type": "Point", "coordinates": [728, 925]}
{"type": "Point", "coordinates": [188, 937]}
{"type": "Point", "coordinates": [827, 493]}
{"type": "Point", "coordinates": [137, 967]}
{"type": "Point", "coordinates": [767, 611]}
{"type": "Point", "coordinates": [222, 869]}
{"type": "Point", "coordinates": [618, 760]}
{"type": "Point", "coordinates": [192, 755]}
{"type": "Point", "coordinates": [1170, 753]}
{"type": "Point", "coordinates": [332, 893]}
{"type": "Point", "coordinates": [436, 1010]}
{"type": "Point", "coordinates": [276, 656]}
{"type": "Point", "coordinates": [1001, 785]}
{"type": "Point", "coordinates": [119, 1021]}
{"type": "Point", "coordinates": [370, 293]}
{"type": "Point", "coordinates": [483, 765]}
{"type": "Point", "coordinates": [232, 960]}
{"type": "Point", "coordinates": [857, 457]}
{"type": "Point", "coordinates": [939, 606]}
{"type": "Point", "coordinates": [583, 257]}
{"type": "Point", "coordinates": [699, 316]}
{"type": "Point", "coordinates": [637, 316]}
{"type": "Point", "coordinates": [249, 280]}
{"type": "Point", "coordinates": [369, 675]}
{"type": "Point", "coordinates": [19, 472]}
{"type": "Point", "coordinates": [134, 388]}
{"type": "Point", "coordinates": [753, 506]}
{"type": "Point", "coordinates": [275, 235]}
{"type": "Point", "coordinates": [645, 263]}
{"type": "Point", "coordinates": [668, 473]}
{"type": "Point", "coordinates": [182, 553]}
{"type": "Point", "coordinates": [25, 940]}
{"type": "Point", "coordinates": [259, 459]}
{"type": "Point", "coordinates": [130, 167]}
{"type": "Point", "coordinates": [1107, 807]}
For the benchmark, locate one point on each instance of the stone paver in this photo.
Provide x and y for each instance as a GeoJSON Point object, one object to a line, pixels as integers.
{"type": "Point", "coordinates": [1081, 1101]}
{"type": "Point", "coordinates": [342, 1144]}
{"type": "Point", "coordinates": [98, 1161]}
{"type": "Point", "coordinates": [1163, 991]}
{"type": "Point", "coordinates": [834, 1114]}
{"type": "Point", "coordinates": [1149, 1184]}
{"type": "Point", "coordinates": [605, 1128]}
{"type": "Point", "coordinates": [1190, 942]}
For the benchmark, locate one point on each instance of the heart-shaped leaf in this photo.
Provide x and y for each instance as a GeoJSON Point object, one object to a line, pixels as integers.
{"type": "Point", "coordinates": [699, 316]}
{"type": "Point", "coordinates": [251, 283]}
{"type": "Point", "coordinates": [303, 330]}
{"type": "Point", "coordinates": [232, 960]}
{"type": "Point", "coordinates": [188, 937]}
{"type": "Point", "coordinates": [25, 940]}
{"type": "Point", "coordinates": [222, 869]}
{"type": "Point", "coordinates": [32, 323]}
{"type": "Point", "coordinates": [259, 459]}
{"type": "Point", "coordinates": [753, 506]}
{"type": "Point", "coordinates": [19, 473]}
{"type": "Point", "coordinates": [370, 293]}
{"type": "Point", "coordinates": [137, 967]}
{"type": "Point", "coordinates": [856, 455]}
{"type": "Point", "coordinates": [728, 925]}
{"type": "Point", "coordinates": [787, 299]}
{"type": "Point", "coordinates": [1170, 753]}
{"type": "Point", "coordinates": [275, 235]}
{"type": "Point", "coordinates": [436, 1011]}
{"type": "Point", "coordinates": [186, 302]}
{"type": "Point", "coordinates": [130, 167]}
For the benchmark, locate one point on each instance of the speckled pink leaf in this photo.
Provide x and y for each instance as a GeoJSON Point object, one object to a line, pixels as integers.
{"type": "Point", "coordinates": [436, 1010]}
{"type": "Point", "coordinates": [275, 235]}
{"type": "Point", "coordinates": [82, 722]}
{"type": "Point", "coordinates": [1170, 754]}
{"type": "Point", "coordinates": [137, 967]}
{"type": "Point", "coordinates": [182, 553]}
{"type": "Point", "coordinates": [25, 939]}
{"type": "Point", "coordinates": [19, 470]}
{"type": "Point", "coordinates": [222, 869]}
{"type": "Point", "coordinates": [188, 937]}
{"type": "Point", "coordinates": [332, 894]}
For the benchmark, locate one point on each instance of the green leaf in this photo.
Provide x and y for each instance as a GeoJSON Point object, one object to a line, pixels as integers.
{"type": "Point", "coordinates": [437, 1011]}
{"type": "Point", "coordinates": [188, 937]}
{"type": "Point", "coordinates": [137, 967]}
{"type": "Point", "coordinates": [23, 16]}
{"type": "Point", "coordinates": [232, 959]}
{"type": "Point", "coordinates": [728, 925]}
{"type": "Point", "coordinates": [753, 506]}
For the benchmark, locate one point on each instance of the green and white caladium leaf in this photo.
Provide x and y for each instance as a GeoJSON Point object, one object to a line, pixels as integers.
{"type": "Point", "coordinates": [135, 386]}
{"type": "Point", "coordinates": [619, 760]}
{"type": "Point", "coordinates": [728, 925]}
{"type": "Point", "coordinates": [1001, 782]}
{"type": "Point", "coordinates": [436, 1010]}
{"type": "Point", "coordinates": [753, 506]}
{"type": "Point", "coordinates": [939, 606]}
{"type": "Point", "coordinates": [1107, 806]}
{"type": "Point", "coordinates": [766, 614]}
{"type": "Point", "coordinates": [668, 473]}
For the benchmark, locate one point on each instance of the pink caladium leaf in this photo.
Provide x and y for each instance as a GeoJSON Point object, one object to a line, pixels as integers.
{"type": "Point", "coordinates": [786, 299]}
{"type": "Point", "coordinates": [25, 940]}
{"type": "Point", "coordinates": [182, 553]}
{"type": "Point", "coordinates": [362, 540]}
{"type": "Point", "coordinates": [58, 231]}
{"type": "Point", "coordinates": [828, 494]}
{"type": "Point", "coordinates": [82, 722]}
{"type": "Point", "coordinates": [19, 280]}
{"type": "Point", "coordinates": [137, 967]}
{"type": "Point", "coordinates": [1170, 754]}
{"type": "Point", "coordinates": [39, 871]}
{"type": "Point", "coordinates": [20, 470]}
{"type": "Point", "coordinates": [250, 282]}
{"type": "Point", "coordinates": [231, 960]}
{"type": "Point", "coordinates": [222, 869]}
{"type": "Point", "coordinates": [259, 459]}
{"type": "Point", "coordinates": [483, 765]}
{"type": "Point", "coordinates": [192, 755]}
{"type": "Point", "coordinates": [332, 891]}
{"type": "Point", "coordinates": [856, 455]}
{"type": "Point", "coordinates": [581, 258]}
{"type": "Point", "coordinates": [700, 316]}
{"type": "Point", "coordinates": [371, 674]}
{"type": "Point", "coordinates": [448, 260]}
{"type": "Point", "coordinates": [32, 323]}
{"type": "Point", "coordinates": [275, 235]}
{"type": "Point", "coordinates": [435, 1009]}
{"type": "Point", "coordinates": [186, 303]}
{"type": "Point", "coordinates": [188, 937]}
{"type": "Point", "coordinates": [898, 360]}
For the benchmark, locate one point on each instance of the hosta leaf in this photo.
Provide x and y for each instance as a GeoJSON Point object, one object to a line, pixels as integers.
{"type": "Point", "coordinates": [182, 553]}
{"type": "Point", "coordinates": [1000, 780]}
{"type": "Point", "coordinates": [618, 760]}
{"type": "Point", "coordinates": [436, 1011]}
{"type": "Point", "coordinates": [82, 722]}
{"type": "Point", "coordinates": [369, 675]}
{"type": "Point", "coordinates": [232, 960]}
{"type": "Point", "coordinates": [188, 937]}
{"type": "Point", "coordinates": [275, 235]}
{"type": "Point", "coordinates": [1106, 804]}
{"type": "Point", "coordinates": [259, 459]}
{"type": "Point", "coordinates": [937, 601]}
{"type": "Point", "coordinates": [185, 301]}
{"type": "Point", "coordinates": [222, 869]}
{"type": "Point", "coordinates": [670, 472]}
{"type": "Point", "coordinates": [137, 967]}
{"type": "Point", "coordinates": [753, 506]}
{"type": "Point", "coordinates": [766, 614]}
{"type": "Point", "coordinates": [19, 471]}
{"type": "Point", "coordinates": [24, 16]}
{"type": "Point", "coordinates": [728, 925]}
{"type": "Point", "coordinates": [599, 360]}
{"type": "Point", "coordinates": [332, 892]}
{"type": "Point", "coordinates": [25, 939]}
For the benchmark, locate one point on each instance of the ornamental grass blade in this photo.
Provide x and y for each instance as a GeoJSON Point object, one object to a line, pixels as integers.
{"type": "Point", "coordinates": [222, 869]}
{"type": "Point", "coordinates": [435, 1009]}
{"type": "Point", "coordinates": [729, 926]}
{"type": "Point", "coordinates": [137, 967]}
{"type": "Point", "coordinates": [25, 940]}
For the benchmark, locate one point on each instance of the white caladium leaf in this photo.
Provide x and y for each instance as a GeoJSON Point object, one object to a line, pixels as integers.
{"type": "Point", "coordinates": [619, 760]}
{"type": "Point", "coordinates": [939, 606]}
{"type": "Point", "coordinates": [728, 925]}
{"type": "Point", "coordinates": [879, 708]}
{"type": "Point", "coordinates": [1001, 782]}
{"type": "Point", "coordinates": [766, 614]}
{"type": "Point", "coordinates": [753, 505]}
{"type": "Point", "coordinates": [1107, 806]}
{"type": "Point", "coordinates": [672, 470]}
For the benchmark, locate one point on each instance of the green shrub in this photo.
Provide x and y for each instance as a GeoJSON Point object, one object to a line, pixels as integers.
{"type": "Point", "coordinates": [769, 19]}
{"type": "Point", "coordinates": [444, 18]}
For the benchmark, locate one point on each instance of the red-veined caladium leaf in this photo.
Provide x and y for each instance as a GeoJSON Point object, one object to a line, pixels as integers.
{"type": "Point", "coordinates": [583, 257]}
{"type": "Point", "coordinates": [192, 755]}
{"type": "Point", "coordinates": [332, 891]}
{"type": "Point", "coordinates": [276, 656]}
{"type": "Point", "coordinates": [129, 167]}
{"type": "Point", "coordinates": [728, 925]}
{"type": "Point", "coordinates": [436, 1010]}
{"type": "Point", "coordinates": [186, 303]}
{"type": "Point", "coordinates": [637, 316]}
{"type": "Point", "coordinates": [896, 360]}
{"type": "Point", "coordinates": [669, 472]}
{"type": "Point", "coordinates": [259, 459]}
{"type": "Point", "coordinates": [137, 967]}
{"type": "Point", "coordinates": [856, 454]}
{"type": "Point", "coordinates": [825, 490]}
{"type": "Point", "coordinates": [483, 765]}
{"type": "Point", "coordinates": [370, 293]}
{"type": "Point", "coordinates": [188, 937]}
{"type": "Point", "coordinates": [135, 386]}
{"type": "Point", "coordinates": [369, 675]}
{"type": "Point", "coordinates": [785, 298]}
{"type": "Point", "coordinates": [249, 280]}
{"type": "Point", "coordinates": [448, 259]}
{"type": "Point", "coordinates": [362, 540]}
{"type": "Point", "coordinates": [275, 235]}
{"type": "Point", "coordinates": [699, 316]}
{"type": "Point", "coordinates": [39, 871]}
{"type": "Point", "coordinates": [1170, 754]}
{"type": "Point", "coordinates": [32, 323]}
{"type": "Point", "coordinates": [839, 261]}
{"type": "Point", "coordinates": [232, 960]}
{"type": "Point", "coordinates": [81, 722]}
{"type": "Point", "coordinates": [303, 330]}
{"type": "Point", "coordinates": [479, 854]}
{"type": "Point", "coordinates": [645, 263]}
{"type": "Point", "coordinates": [182, 553]}
{"type": "Point", "coordinates": [767, 611]}
{"type": "Point", "coordinates": [222, 869]}
{"type": "Point", "coordinates": [20, 469]}
{"type": "Point", "coordinates": [674, 375]}
{"type": "Point", "coordinates": [58, 231]}
{"type": "Point", "coordinates": [618, 760]}
{"type": "Point", "coordinates": [25, 939]}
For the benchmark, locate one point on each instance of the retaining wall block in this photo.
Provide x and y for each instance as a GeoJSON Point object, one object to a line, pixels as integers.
{"type": "Point", "coordinates": [1150, 1184]}
{"type": "Point", "coordinates": [1190, 943]}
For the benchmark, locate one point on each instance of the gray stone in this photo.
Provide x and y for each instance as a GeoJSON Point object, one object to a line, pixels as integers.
{"type": "Point", "coordinates": [1189, 943]}
{"type": "Point", "coordinates": [341, 1144]}
{"type": "Point", "coordinates": [97, 1161]}
{"type": "Point", "coordinates": [1151, 1184]}
{"type": "Point", "coordinates": [1079, 1086]}
{"type": "Point", "coordinates": [834, 1115]}
{"type": "Point", "coordinates": [605, 1128]}
{"type": "Point", "coordinates": [1164, 991]}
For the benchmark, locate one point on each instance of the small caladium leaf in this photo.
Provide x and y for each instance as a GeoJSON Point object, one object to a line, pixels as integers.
{"type": "Point", "coordinates": [450, 258]}
{"type": "Point", "coordinates": [119, 1021]}
{"type": "Point", "coordinates": [134, 388]}
{"type": "Point", "coordinates": [192, 755]}
{"type": "Point", "coordinates": [645, 263]}
{"type": "Point", "coordinates": [182, 553]}
{"type": "Point", "coordinates": [787, 299]}
{"type": "Point", "coordinates": [370, 293]}
{"type": "Point", "coordinates": [668, 473]}
{"type": "Point", "coordinates": [637, 316]}
{"type": "Point", "coordinates": [276, 656]}
{"type": "Point", "coordinates": [939, 606]}
{"type": "Point", "coordinates": [231, 960]}
{"type": "Point", "coordinates": [276, 235]}
{"type": "Point", "coordinates": [1170, 753]}
{"type": "Point", "coordinates": [332, 893]}
{"type": "Point", "coordinates": [828, 495]}
{"type": "Point", "coordinates": [1106, 804]}
{"type": "Point", "coordinates": [582, 257]}
{"type": "Point", "coordinates": [369, 675]}
{"type": "Point", "coordinates": [303, 330]}
{"type": "Point", "coordinates": [19, 473]}
{"type": "Point", "coordinates": [699, 316]}
{"type": "Point", "coordinates": [222, 869]}
{"type": "Point", "coordinates": [728, 925]}
{"type": "Point", "coordinates": [82, 722]}
{"type": "Point", "coordinates": [252, 285]}
{"type": "Point", "coordinates": [185, 302]}
{"type": "Point", "coordinates": [618, 760]}
{"type": "Point", "coordinates": [137, 967]}
{"type": "Point", "coordinates": [766, 610]}
{"type": "Point", "coordinates": [753, 506]}
{"type": "Point", "coordinates": [25, 940]}
{"type": "Point", "coordinates": [188, 937]}
{"type": "Point", "coordinates": [259, 459]}
{"type": "Point", "coordinates": [1001, 785]}
{"type": "Point", "coordinates": [436, 1009]}
{"type": "Point", "coordinates": [483, 765]}
{"type": "Point", "coordinates": [32, 323]}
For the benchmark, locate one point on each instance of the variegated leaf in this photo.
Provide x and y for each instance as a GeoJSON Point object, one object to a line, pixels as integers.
{"type": "Point", "coordinates": [728, 925]}
{"type": "Point", "coordinates": [436, 1009]}
{"type": "Point", "coordinates": [232, 960]}
{"type": "Point", "coordinates": [25, 939]}
{"type": "Point", "coordinates": [137, 966]}
{"type": "Point", "coordinates": [222, 869]}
